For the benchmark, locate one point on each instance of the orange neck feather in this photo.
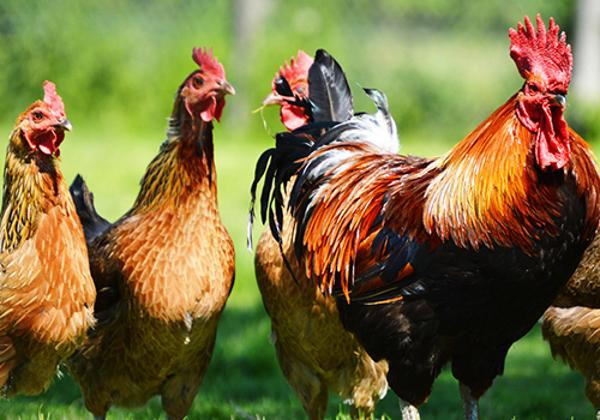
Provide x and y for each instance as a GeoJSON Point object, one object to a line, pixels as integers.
{"type": "Point", "coordinates": [184, 165]}
{"type": "Point", "coordinates": [486, 184]}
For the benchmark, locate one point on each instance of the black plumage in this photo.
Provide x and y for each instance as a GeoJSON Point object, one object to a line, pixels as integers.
{"type": "Point", "coordinates": [93, 224]}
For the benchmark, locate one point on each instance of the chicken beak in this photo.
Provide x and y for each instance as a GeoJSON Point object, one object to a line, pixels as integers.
{"type": "Point", "coordinates": [225, 88]}
{"type": "Point", "coordinates": [560, 100]}
{"type": "Point", "coordinates": [272, 99]}
{"type": "Point", "coordinates": [65, 124]}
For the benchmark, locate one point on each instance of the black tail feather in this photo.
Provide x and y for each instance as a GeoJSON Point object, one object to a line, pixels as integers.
{"type": "Point", "coordinates": [93, 224]}
{"type": "Point", "coordinates": [277, 166]}
{"type": "Point", "coordinates": [329, 93]}
{"type": "Point", "coordinates": [329, 102]}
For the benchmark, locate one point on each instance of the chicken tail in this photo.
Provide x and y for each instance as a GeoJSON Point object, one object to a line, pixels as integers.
{"type": "Point", "coordinates": [93, 224]}
{"type": "Point", "coordinates": [329, 102]}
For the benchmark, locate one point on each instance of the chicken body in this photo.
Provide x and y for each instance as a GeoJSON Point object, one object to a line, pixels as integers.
{"type": "Point", "coordinates": [438, 301]}
{"type": "Point", "coordinates": [316, 354]}
{"type": "Point", "coordinates": [172, 262]}
{"type": "Point", "coordinates": [450, 259]}
{"type": "Point", "coordinates": [572, 324]}
{"type": "Point", "coordinates": [164, 272]}
{"type": "Point", "coordinates": [573, 336]}
{"type": "Point", "coordinates": [46, 291]}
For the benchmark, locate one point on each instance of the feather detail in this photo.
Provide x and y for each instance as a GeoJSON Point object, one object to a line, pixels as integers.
{"type": "Point", "coordinates": [479, 195]}
{"type": "Point", "coordinates": [330, 96]}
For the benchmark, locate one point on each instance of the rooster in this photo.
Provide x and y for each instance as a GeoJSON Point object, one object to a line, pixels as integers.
{"type": "Point", "coordinates": [314, 351]}
{"type": "Point", "coordinates": [450, 259]}
{"type": "Point", "coordinates": [165, 269]}
{"type": "Point", "coordinates": [572, 324]}
{"type": "Point", "coordinates": [46, 290]}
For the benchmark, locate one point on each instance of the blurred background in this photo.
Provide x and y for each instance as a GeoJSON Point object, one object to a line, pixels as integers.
{"type": "Point", "coordinates": [444, 65]}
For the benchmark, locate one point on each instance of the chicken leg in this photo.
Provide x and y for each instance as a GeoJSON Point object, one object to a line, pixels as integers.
{"type": "Point", "coordinates": [409, 411]}
{"type": "Point", "coordinates": [470, 404]}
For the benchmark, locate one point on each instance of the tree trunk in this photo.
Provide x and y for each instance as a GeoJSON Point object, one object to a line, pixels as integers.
{"type": "Point", "coordinates": [586, 79]}
{"type": "Point", "coordinates": [248, 17]}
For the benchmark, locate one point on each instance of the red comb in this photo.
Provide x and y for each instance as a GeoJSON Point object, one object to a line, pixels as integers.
{"type": "Point", "coordinates": [207, 62]}
{"type": "Point", "coordinates": [52, 98]}
{"type": "Point", "coordinates": [542, 54]}
{"type": "Point", "coordinates": [296, 71]}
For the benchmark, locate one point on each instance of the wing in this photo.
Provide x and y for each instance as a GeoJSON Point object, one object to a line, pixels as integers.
{"type": "Point", "coordinates": [108, 278]}
{"type": "Point", "coordinates": [340, 201]}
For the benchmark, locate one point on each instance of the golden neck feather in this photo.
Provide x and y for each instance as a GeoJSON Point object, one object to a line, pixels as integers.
{"type": "Point", "coordinates": [32, 185]}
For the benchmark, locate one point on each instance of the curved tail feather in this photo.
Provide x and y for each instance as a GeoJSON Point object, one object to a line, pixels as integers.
{"type": "Point", "coordinates": [93, 224]}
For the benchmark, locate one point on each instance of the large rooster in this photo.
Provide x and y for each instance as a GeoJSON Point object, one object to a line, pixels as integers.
{"type": "Point", "coordinates": [314, 351]}
{"type": "Point", "coordinates": [450, 259]}
{"type": "Point", "coordinates": [165, 269]}
{"type": "Point", "coordinates": [46, 291]}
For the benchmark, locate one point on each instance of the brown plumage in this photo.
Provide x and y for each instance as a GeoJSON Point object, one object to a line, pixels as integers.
{"type": "Point", "coordinates": [572, 325]}
{"type": "Point", "coordinates": [574, 336]}
{"type": "Point", "coordinates": [164, 270]}
{"type": "Point", "coordinates": [316, 354]}
{"type": "Point", "coordinates": [46, 291]}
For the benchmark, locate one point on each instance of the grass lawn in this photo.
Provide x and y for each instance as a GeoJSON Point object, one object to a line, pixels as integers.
{"type": "Point", "coordinates": [244, 380]}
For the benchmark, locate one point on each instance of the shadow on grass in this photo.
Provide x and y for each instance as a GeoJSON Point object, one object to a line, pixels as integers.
{"type": "Point", "coordinates": [244, 381]}
{"type": "Point", "coordinates": [533, 386]}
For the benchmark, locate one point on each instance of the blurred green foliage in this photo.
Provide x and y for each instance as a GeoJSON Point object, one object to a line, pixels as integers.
{"type": "Point", "coordinates": [444, 64]}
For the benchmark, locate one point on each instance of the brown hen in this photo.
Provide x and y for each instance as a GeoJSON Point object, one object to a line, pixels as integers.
{"type": "Point", "coordinates": [165, 269]}
{"type": "Point", "coordinates": [46, 291]}
{"type": "Point", "coordinates": [314, 351]}
{"type": "Point", "coordinates": [572, 325]}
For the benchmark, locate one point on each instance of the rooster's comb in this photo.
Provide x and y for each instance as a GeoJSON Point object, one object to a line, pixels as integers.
{"type": "Point", "coordinates": [208, 62]}
{"type": "Point", "coordinates": [543, 54]}
{"type": "Point", "coordinates": [296, 71]}
{"type": "Point", "coordinates": [52, 98]}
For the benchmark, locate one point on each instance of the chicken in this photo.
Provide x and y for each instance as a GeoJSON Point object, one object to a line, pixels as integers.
{"type": "Point", "coordinates": [46, 290]}
{"type": "Point", "coordinates": [165, 269]}
{"type": "Point", "coordinates": [289, 85]}
{"type": "Point", "coordinates": [314, 351]}
{"type": "Point", "coordinates": [450, 259]}
{"type": "Point", "coordinates": [572, 324]}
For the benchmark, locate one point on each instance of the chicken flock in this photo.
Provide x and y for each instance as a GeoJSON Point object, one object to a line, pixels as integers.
{"type": "Point", "coordinates": [377, 269]}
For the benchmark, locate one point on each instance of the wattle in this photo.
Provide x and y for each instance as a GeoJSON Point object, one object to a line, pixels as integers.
{"type": "Point", "coordinates": [213, 110]}
{"type": "Point", "coordinates": [46, 142]}
{"type": "Point", "coordinates": [293, 117]}
{"type": "Point", "coordinates": [552, 145]}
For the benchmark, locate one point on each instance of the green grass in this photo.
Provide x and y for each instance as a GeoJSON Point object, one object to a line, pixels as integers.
{"type": "Point", "coordinates": [244, 380]}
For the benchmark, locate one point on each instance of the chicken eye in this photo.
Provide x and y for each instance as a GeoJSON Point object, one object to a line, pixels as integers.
{"type": "Point", "coordinates": [197, 81]}
{"type": "Point", "coordinates": [37, 115]}
{"type": "Point", "coordinates": [533, 88]}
